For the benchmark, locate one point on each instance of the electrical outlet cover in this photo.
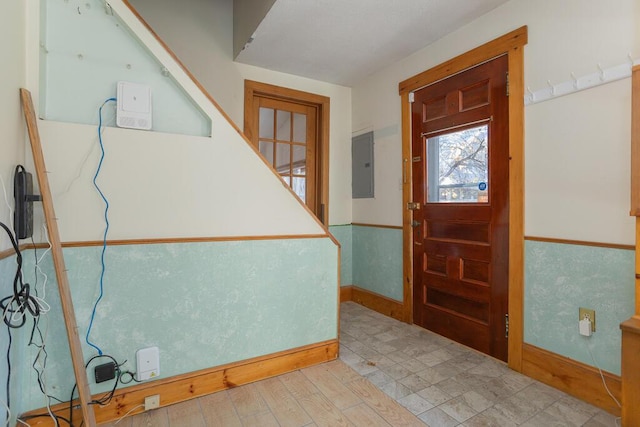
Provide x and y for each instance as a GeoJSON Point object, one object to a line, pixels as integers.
{"type": "Point", "coordinates": [152, 402]}
{"type": "Point", "coordinates": [148, 363]}
{"type": "Point", "coordinates": [589, 314]}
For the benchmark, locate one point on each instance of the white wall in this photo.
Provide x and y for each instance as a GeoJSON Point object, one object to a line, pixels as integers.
{"type": "Point", "coordinates": [200, 32]}
{"type": "Point", "coordinates": [162, 185]}
{"type": "Point", "coordinates": [12, 46]}
{"type": "Point", "coordinates": [12, 38]}
{"type": "Point", "coordinates": [577, 147]}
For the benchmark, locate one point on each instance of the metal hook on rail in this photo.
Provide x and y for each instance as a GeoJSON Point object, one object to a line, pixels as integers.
{"type": "Point", "coordinates": [602, 76]}
{"type": "Point", "coordinates": [531, 95]}
{"type": "Point", "coordinates": [552, 88]}
{"type": "Point", "coordinates": [575, 81]}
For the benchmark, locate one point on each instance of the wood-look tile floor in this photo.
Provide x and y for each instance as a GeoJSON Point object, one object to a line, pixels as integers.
{"type": "Point", "coordinates": [389, 374]}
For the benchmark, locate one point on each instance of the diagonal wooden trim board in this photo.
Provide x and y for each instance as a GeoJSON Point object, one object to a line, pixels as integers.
{"type": "Point", "coordinates": [200, 383]}
{"type": "Point", "coordinates": [58, 260]}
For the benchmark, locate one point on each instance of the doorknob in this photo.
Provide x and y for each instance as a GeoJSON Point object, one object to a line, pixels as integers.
{"type": "Point", "coordinates": [415, 223]}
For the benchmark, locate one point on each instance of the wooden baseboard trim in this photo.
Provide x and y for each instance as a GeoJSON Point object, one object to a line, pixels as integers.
{"type": "Point", "coordinates": [376, 302]}
{"type": "Point", "coordinates": [580, 243]}
{"type": "Point", "coordinates": [572, 377]}
{"type": "Point", "coordinates": [200, 383]}
{"type": "Point", "coordinates": [346, 293]}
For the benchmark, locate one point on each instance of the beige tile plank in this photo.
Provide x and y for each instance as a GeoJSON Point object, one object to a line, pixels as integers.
{"type": "Point", "coordinates": [363, 415]}
{"type": "Point", "coordinates": [386, 407]}
{"type": "Point", "coordinates": [282, 404]}
{"type": "Point", "coordinates": [331, 387]}
{"type": "Point", "coordinates": [341, 371]}
{"type": "Point", "coordinates": [265, 419]}
{"type": "Point", "coordinates": [323, 412]}
{"type": "Point", "coordinates": [247, 400]}
{"type": "Point", "coordinates": [126, 422]}
{"type": "Point", "coordinates": [185, 414]}
{"type": "Point", "coordinates": [298, 385]}
{"type": "Point", "coordinates": [157, 417]}
{"type": "Point", "coordinates": [218, 410]}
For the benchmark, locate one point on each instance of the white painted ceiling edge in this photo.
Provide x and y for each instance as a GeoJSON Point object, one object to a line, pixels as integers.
{"type": "Point", "coordinates": [340, 41]}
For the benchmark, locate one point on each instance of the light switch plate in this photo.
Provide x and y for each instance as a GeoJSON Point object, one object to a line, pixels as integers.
{"type": "Point", "coordinates": [147, 363]}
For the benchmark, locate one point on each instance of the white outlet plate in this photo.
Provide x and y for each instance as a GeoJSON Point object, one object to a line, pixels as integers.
{"type": "Point", "coordinates": [152, 402]}
{"type": "Point", "coordinates": [147, 363]}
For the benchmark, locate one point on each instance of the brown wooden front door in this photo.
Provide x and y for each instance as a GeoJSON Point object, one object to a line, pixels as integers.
{"type": "Point", "coordinates": [461, 225]}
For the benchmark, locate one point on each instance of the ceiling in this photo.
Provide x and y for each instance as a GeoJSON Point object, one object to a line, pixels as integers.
{"type": "Point", "coordinates": [343, 41]}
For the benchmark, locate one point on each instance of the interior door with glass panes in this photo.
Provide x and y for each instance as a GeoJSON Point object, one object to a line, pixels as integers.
{"type": "Point", "coordinates": [460, 149]}
{"type": "Point", "coordinates": [287, 140]}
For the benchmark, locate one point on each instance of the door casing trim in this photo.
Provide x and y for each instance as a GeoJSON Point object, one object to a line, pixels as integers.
{"type": "Point", "coordinates": [511, 44]}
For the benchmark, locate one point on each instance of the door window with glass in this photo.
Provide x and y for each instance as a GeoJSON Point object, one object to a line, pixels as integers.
{"type": "Point", "coordinates": [286, 142]}
{"type": "Point", "coordinates": [458, 167]}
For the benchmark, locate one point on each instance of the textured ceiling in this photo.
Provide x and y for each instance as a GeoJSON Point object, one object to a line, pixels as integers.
{"type": "Point", "coordinates": [342, 41]}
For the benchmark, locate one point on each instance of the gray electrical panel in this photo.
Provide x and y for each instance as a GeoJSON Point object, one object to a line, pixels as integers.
{"type": "Point", "coordinates": [362, 166]}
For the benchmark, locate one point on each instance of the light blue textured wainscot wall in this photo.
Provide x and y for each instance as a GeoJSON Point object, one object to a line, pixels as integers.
{"type": "Point", "coordinates": [377, 260]}
{"type": "Point", "coordinates": [343, 233]}
{"type": "Point", "coordinates": [202, 304]}
{"type": "Point", "coordinates": [560, 278]}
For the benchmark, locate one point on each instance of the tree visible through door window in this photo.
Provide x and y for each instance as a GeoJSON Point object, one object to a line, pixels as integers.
{"type": "Point", "coordinates": [458, 166]}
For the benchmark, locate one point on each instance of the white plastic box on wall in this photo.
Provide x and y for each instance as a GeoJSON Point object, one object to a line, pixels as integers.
{"type": "Point", "coordinates": [134, 106]}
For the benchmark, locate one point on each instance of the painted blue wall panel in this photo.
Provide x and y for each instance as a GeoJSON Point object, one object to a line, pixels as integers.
{"type": "Point", "coordinates": [377, 260]}
{"type": "Point", "coordinates": [560, 278]}
{"type": "Point", "coordinates": [344, 235]}
{"type": "Point", "coordinates": [202, 304]}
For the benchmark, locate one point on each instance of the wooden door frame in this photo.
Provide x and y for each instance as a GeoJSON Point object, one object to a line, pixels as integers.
{"type": "Point", "coordinates": [321, 103]}
{"type": "Point", "coordinates": [511, 44]}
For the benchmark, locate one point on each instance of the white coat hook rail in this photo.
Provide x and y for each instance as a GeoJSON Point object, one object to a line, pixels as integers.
{"type": "Point", "coordinates": [602, 76]}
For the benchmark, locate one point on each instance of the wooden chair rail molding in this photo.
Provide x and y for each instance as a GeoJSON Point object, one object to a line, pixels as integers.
{"type": "Point", "coordinates": [195, 384]}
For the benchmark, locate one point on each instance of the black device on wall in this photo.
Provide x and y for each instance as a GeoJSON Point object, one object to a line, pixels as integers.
{"type": "Point", "coordinates": [24, 198]}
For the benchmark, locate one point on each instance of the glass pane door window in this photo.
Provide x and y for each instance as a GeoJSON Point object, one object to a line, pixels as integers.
{"type": "Point", "coordinates": [283, 143]}
{"type": "Point", "coordinates": [458, 166]}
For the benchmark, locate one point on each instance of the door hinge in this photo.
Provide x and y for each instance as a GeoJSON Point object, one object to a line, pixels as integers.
{"type": "Point", "coordinates": [412, 97]}
{"type": "Point", "coordinates": [506, 325]}
{"type": "Point", "coordinates": [507, 83]}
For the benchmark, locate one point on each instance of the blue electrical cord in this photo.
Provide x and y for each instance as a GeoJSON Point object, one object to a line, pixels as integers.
{"type": "Point", "coordinates": [106, 229]}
